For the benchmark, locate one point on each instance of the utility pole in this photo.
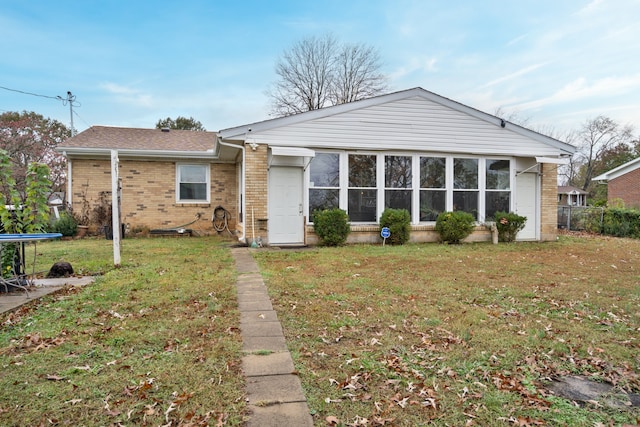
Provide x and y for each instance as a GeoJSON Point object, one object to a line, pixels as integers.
{"type": "Point", "coordinates": [70, 99]}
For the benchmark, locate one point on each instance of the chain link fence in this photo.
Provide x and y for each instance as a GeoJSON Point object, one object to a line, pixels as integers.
{"type": "Point", "coordinates": [580, 218]}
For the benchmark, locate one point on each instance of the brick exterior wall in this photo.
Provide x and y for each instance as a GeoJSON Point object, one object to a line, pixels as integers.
{"type": "Point", "coordinates": [256, 188]}
{"type": "Point", "coordinates": [625, 188]}
{"type": "Point", "coordinates": [149, 193]}
{"type": "Point", "coordinates": [549, 203]}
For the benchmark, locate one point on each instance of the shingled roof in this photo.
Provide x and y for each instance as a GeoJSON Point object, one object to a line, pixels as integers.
{"type": "Point", "coordinates": [117, 138]}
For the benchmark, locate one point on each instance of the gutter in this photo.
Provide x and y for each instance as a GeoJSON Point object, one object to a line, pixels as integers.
{"type": "Point", "coordinates": [180, 154]}
{"type": "Point", "coordinates": [242, 237]}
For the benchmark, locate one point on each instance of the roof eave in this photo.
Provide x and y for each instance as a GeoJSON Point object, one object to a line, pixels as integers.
{"type": "Point", "coordinates": [619, 171]}
{"type": "Point", "coordinates": [76, 152]}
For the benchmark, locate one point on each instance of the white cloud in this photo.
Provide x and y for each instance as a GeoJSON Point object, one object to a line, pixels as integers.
{"type": "Point", "coordinates": [581, 89]}
{"type": "Point", "coordinates": [415, 64]}
{"type": "Point", "coordinates": [128, 95]}
{"type": "Point", "coordinates": [592, 7]}
{"type": "Point", "coordinates": [518, 73]}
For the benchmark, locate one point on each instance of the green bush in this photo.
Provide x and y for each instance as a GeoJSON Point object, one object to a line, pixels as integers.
{"type": "Point", "coordinates": [65, 225]}
{"type": "Point", "coordinates": [399, 223]}
{"type": "Point", "coordinates": [331, 226]}
{"type": "Point", "coordinates": [621, 222]}
{"type": "Point", "coordinates": [454, 227]}
{"type": "Point", "coordinates": [509, 225]}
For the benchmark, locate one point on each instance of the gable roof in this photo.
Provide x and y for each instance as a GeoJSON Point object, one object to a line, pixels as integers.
{"type": "Point", "coordinates": [411, 119]}
{"type": "Point", "coordinates": [100, 140]}
{"type": "Point", "coordinates": [619, 171]}
{"type": "Point", "coordinates": [142, 139]}
{"type": "Point", "coordinates": [569, 189]}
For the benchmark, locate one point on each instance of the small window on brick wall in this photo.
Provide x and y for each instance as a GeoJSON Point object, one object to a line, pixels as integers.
{"type": "Point", "coordinates": [192, 183]}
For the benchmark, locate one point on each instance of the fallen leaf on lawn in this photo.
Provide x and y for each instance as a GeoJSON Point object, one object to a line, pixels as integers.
{"type": "Point", "coordinates": [73, 401]}
{"type": "Point", "coordinates": [82, 368]}
{"type": "Point", "coordinates": [116, 314]}
{"type": "Point", "coordinates": [170, 409]}
{"type": "Point", "coordinates": [55, 378]}
{"type": "Point", "coordinates": [331, 420]}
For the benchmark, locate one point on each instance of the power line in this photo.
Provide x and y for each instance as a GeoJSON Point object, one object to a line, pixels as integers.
{"type": "Point", "coordinates": [57, 98]}
{"type": "Point", "coordinates": [69, 100]}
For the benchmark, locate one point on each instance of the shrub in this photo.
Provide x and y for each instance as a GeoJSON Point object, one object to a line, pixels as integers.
{"type": "Point", "coordinates": [332, 226]}
{"type": "Point", "coordinates": [399, 223]}
{"type": "Point", "coordinates": [621, 222]}
{"type": "Point", "coordinates": [508, 225]}
{"type": "Point", "coordinates": [454, 227]}
{"type": "Point", "coordinates": [65, 225]}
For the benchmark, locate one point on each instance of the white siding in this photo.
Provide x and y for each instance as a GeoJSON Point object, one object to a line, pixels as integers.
{"type": "Point", "coordinates": [410, 124]}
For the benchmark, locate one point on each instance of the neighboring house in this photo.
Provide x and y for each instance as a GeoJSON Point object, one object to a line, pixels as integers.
{"type": "Point", "coordinates": [623, 183]}
{"type": "Point", "coordinates": [411, 149]}
{"type": "Point", "coordinates": [571, 196]}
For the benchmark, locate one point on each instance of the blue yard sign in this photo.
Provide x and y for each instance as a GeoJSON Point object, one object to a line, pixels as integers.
{"type": "Point", "coordinates": [385, 233]}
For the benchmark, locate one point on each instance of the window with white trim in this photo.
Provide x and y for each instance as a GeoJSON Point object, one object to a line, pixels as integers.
{"type": "Point", "coordinates": [362, 192]}
{"type": "Point", "coordinates": [433, 190]}
{"type": "Point", "coordinates": [364, 184]}
{"type": "Point", "coordinates": [192, 183]}
{"type": "Point", "coordinates": [498, 187]}
{"type": "Point", "coordinates": [398, 182]}
{"type": "Point", "coordinates": [324, 182]}
{"type": "Point", "coordinates": [465, 186]}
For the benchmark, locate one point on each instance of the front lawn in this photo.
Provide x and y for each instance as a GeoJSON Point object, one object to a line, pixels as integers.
{"type": "Point", "coordinates": [398, 335]}
{"type": "Point", "coordinates": [460, 334]}
{"type": "Point", "coordinates": [154, 342]}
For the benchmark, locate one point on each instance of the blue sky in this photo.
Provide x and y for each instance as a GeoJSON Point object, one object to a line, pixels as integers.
{"type": "Point", "coordinates": [129, 63]}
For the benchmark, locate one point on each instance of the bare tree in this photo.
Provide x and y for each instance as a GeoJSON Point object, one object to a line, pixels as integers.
{"type": "Point", "coordinates": [596, 139]}
{"type": "Point", "coordinates": [357, 74]}
{"type": "Point", "coordinates": [318, 72]}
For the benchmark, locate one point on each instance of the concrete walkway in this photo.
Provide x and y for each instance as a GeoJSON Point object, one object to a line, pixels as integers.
{"type": "Point", "coordinates": [12, 300]}
{"type": "Point", "coordinates": [274, 392]}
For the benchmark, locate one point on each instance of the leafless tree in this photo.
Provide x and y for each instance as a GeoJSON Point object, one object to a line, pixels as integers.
{"type": "Point", "coordinates": [319, 71]}
{"type": "Point", "coordinates": [356, 74]}
{"type": "Point", "coordinates": [597, 137]}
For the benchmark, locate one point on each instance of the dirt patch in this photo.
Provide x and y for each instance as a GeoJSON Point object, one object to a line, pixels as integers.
{"type": "Point", "coordinates": [583, 390]}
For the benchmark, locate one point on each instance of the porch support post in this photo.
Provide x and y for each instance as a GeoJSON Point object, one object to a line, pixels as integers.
{"type": "Point", "coordinates": [115, 208]}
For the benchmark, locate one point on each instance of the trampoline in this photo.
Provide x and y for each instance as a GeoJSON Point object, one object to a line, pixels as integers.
{"type": "Point", "coordinates": [19, 278]}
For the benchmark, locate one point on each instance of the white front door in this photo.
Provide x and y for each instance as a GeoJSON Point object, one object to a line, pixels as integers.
{"type": "Point", "coordinates": [526, 197]}
{"type": "Point", "coordinates": [286, 220]}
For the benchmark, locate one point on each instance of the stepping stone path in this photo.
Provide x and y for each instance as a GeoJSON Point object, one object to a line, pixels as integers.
{"type": "Point", "coordinates": [274, 392]}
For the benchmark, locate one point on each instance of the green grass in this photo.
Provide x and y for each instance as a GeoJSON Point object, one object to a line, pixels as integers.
{"type": "Point", "coordinates": [150, 343]}
{"type": "Point", "coordinates": [459, 334]}
{"type": "Point", "coordinates": [398, 335]}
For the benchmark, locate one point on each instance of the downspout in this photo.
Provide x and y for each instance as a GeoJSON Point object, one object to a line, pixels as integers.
{"type": "Point", "coordinates": [241, 238]}
{"type": "Point", "coordinates": [69, 183]}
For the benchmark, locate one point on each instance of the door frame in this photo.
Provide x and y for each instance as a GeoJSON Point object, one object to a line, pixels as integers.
{"type": "Point", "coordinates": [531, 222]}
{"type": "Point", "coordinates": [273, 200]}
